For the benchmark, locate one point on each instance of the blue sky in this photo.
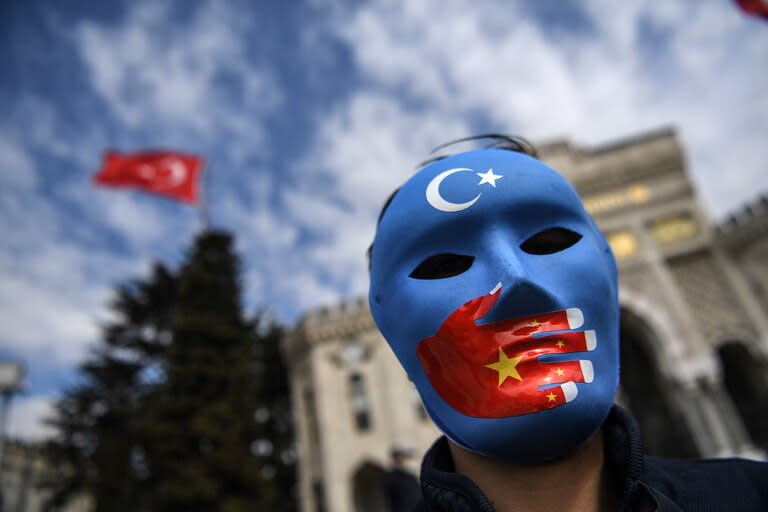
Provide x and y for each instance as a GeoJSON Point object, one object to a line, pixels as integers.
{"type": "Point", "coordinates": [310, 113]}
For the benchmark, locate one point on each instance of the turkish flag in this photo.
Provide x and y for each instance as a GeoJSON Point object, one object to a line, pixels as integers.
{"type": "Point", "coordinates": [494, 371]}
{"type": "Point", "coordinates": [754, 7]}
{"type": "Point", "coordinates": [167, 173]}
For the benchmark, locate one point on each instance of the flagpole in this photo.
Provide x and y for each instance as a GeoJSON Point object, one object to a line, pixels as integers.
{"type": "Point", "coordinates": [203, 210]}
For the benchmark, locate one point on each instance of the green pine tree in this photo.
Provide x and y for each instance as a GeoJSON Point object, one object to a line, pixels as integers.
{"type": "Point", "coordinates": [274, 448]}
{"type": "Point", "coordinates": [202, 424]}
{"type": "Point", "coordinates": [98, 451]}
{"type": "Point", "coordinates": [184, 405]}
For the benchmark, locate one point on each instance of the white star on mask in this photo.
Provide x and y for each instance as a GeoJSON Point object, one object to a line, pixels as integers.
{"type": "Point", "coordinates": [489, 177]}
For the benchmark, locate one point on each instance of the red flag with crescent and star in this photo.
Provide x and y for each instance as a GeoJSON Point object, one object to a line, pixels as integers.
{"type": "Point", "coordinates": [754, 7]}
{"type": "Point", "coordinates": [168, 173]}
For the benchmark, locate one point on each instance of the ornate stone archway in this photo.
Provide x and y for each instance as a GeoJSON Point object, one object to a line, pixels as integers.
{"type": "Point", "coordinates": [688, 382]}
{"type": "Point", "coordinates": [649, 393]}
{"type": "Point", "coordinates": [746, 381]}
{"type": "Point", "coordinates": [663, 336]}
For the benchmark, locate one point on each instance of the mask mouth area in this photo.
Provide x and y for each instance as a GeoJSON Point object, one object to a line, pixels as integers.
{"type": "Point", "coordinates": [509, 368]}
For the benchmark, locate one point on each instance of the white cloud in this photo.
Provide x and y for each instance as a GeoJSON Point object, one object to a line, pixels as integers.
{"type": "Point", "coordinates": [54, 284]}
{"type": "Point", "coordinates": [16, 168]}
{"type": "Point", "coordinates": [27, 415]}
{"type": "Point", "coordinates": [56, 261]}
{"type": "Point", "coordinates": [502, 63]}
{"type": "Point", "coordinates": [428, 68]}
{"type": "Point", "coordinates": [304, 231]}
{"type": "Point", "coordinates": [190, 80]}
{"type": "Point", "coordinates": [52, 297]}
{"type": "Point", "coordinates": [314, 211]}
{"type": "Point", "coordinates": [307, 291]}
{"type": "Point", "coordinates": [371, 144]}
{"type": "Point", "coordinates": [144, 221]}
{"type": "Point", "coordinates": [362, 153]}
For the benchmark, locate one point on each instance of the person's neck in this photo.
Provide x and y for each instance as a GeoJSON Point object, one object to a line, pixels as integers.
{"type": "Point", "coordinates": [574, 482]}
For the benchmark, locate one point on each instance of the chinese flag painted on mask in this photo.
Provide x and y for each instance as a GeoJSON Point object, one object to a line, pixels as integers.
{"type": "Point", "coordinates": [494, 370]}
{"type": "Point", "coordinates": [167, 173]}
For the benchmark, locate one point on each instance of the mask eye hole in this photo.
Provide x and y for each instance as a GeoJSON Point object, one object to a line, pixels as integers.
{"type": "Point", "coordinates": [441, 266]}
{"type": "Point", "coordinates": [550, 241]}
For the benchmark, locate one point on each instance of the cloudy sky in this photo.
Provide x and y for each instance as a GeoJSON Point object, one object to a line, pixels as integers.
{"type": "Point", "coordinates": [310, 113]}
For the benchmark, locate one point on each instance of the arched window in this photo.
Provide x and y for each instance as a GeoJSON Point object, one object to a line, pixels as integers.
{"type": "Point", "coordinates": [744, 377]}
{"type": "Point", "coordinates": [311, 415]}
{"type": "Point", "coordinates": [361, 407]}
{"type": "Point", "coordinates": [367, 488]}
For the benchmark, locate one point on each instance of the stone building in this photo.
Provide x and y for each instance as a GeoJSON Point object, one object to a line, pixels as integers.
{"type": "Point", "coordinates": [24, 471]}
{"type": "Point", "coordinates": [694, 329]}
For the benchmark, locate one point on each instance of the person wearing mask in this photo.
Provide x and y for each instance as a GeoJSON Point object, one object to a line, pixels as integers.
{"type": "Point", "coordinates": [498, 294]}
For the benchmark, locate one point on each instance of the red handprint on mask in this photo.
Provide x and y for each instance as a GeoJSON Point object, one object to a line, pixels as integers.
{"type": "Point", "coordinates": [493, 370]}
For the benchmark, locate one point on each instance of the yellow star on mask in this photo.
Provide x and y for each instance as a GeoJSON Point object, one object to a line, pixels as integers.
{"type": "Point", "coordinates": [534, 323]}
{"type": "Point", "coordinates": [551, 397]}
{"type": "Point", "coordinates": [560, 372]}
{"type": "Point", "coordinates": [507, 367]}
{"type": "Point", "coordinates": [560, 343]}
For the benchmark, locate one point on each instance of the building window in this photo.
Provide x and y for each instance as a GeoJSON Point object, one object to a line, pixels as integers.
{"type": "Point", "coordinates": [623, 244]}
{"type": "Point", "coordinates": [361, 408]}
{"type": "Point", "coordinates": [669, 230]}
{"type": "Point", "coordinates": [310, 410]}
{"type": "Point", "coordinates": [352, 353]}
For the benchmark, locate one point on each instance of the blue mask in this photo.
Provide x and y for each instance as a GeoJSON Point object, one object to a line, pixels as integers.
{"type": "Point", "coordinates": [498, 294]}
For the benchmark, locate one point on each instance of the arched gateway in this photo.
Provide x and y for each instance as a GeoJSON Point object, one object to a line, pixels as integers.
{"type": "Point", "coordinates": [368, 488]}
{"type": "Point", "coordinates": [649, 394]}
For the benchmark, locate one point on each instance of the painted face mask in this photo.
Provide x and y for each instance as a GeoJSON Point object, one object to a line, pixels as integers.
{"type": "Point", "coordinates": [498, 294]}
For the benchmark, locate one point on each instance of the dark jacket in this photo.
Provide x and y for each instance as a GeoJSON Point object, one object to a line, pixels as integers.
{"type": "Point", "coordinates": [648, 483]}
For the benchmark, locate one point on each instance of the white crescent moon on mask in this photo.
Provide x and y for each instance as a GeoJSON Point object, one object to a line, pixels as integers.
{"type": "Point", "coordinates": [438, 202]}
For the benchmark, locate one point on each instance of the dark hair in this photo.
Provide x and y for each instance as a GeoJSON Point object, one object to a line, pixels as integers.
{"type": "Point", "coordinates": [495, 141]}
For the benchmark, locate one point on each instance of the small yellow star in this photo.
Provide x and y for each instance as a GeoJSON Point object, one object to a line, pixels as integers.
{"type": "Point", "coordinates": [507, 367]}
{"type": "Point", "coordinates": [560, 343]}
{"type": "Point", "coordinates": [560, 372]}
{"type": "Point", "coordinates": [534, 323]}
{"type": "Point", "coordinates": [551, 397]}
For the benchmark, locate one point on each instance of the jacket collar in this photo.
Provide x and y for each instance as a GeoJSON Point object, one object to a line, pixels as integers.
{"type": "Point", "coordinates": [445, 490]}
